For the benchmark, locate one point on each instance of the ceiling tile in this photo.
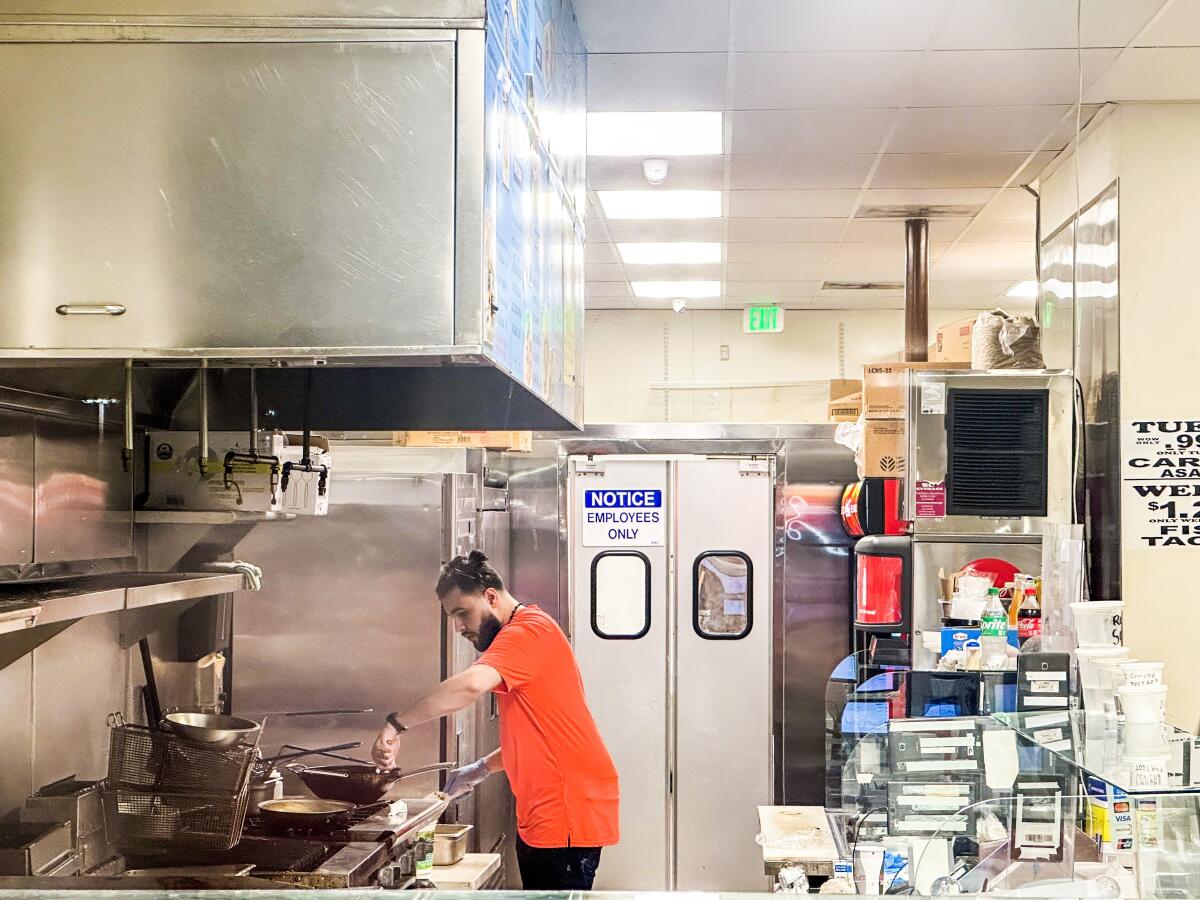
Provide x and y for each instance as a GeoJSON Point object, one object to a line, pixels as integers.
{"type": "Point", "coordinates": [1179, 26]}
{"type": "Point", "coordinates": [650, 82]}
{"type": "Point", "coordinates": [638, 230]}
{"type": "Point", "coordinates": [607, 289]}
{"type": "Point", "coordinates": [776, 270]}
{"type": "Point", "coordinates": [970, 200]}
{"type": "Point", "coordinates": [808, 170]}
{"type": "Point", "coordinates": [959, 288]}
{"type": "Point", "coordinates": [838, 25]}
{"type": "Point", "coordinates": [620, 173]}
{"type": "Point", "coordinates": [921, 170]}
{"type": "Point", "coordinates": [788, 230]}
{"type": "Point", "coordinates": [809, 130]}
{"type": "Point", "coordinates": [848, 300]}
{"type": "Point", "coordinates": [993, 228]}
{"type": "Point", "coordinates": [788, 204]}
{"type": "Point", "coordinates": [1162, 73]}
{"type": "Point", "coordinates": [822, 80]}
{"type": "Point", "coordinates": [1018, 253]}
{"type": "Point", "coordinates": [867, 270]}
{"type": "Point", "coordinates": [1064, 132]}
{"type": "Point", "coordinates": [1022, 24]}
{"type": "Point", "coordinates": [604, 271]}
{"type": "Point", "coordinates": [771, 290]}
{"type": "Point", "coordinates": [853, 254]}
{"type": "Point", "coordinates": [991, 271]}
{"type": "Point", "coordinates": [774, 253]}
{"type": "Point", "coordinates": [885, 231]}
{"type": "Point", "coordinates": [1012, 203]}
{"type": "Point", "coordinates": [1005, 77]}
{"type": "Point", "coordinates": [975, 129]}
{"type": "Point", "coordinates": [1034, 168]}
{"type": "Point", "coordinates": [597, 252]}
{"type": "Point", "coordinates": [635, 26]}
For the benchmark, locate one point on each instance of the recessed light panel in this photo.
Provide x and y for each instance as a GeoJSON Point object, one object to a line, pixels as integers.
{"type": "Point", "coordinates": [669, 253]}
{"type": "Point", "coordinates": [671, 290]}
{"type": "Point", "coordinates": [661, 204]}
{"type": "Point", "coordinates": [655, 134]}
{"type": "Point", "coordinates": [1026, 290]}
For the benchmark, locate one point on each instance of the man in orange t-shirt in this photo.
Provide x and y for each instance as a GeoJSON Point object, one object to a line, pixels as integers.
{"type": "Point", "coordinates": [561, 773]}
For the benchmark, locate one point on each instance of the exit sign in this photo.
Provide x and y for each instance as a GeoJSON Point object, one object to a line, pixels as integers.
{"type": "Point", "coordinates": [762, 320]}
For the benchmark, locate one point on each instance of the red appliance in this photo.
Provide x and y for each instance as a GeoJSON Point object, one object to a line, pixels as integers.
{"type": "Point", "coordinates": [872, 506]}
{"type": "Point", "coordinates": [883, 584]}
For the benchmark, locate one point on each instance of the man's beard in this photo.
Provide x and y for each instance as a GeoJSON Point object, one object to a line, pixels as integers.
{"type": "Point", "coordinates": [488, 629]}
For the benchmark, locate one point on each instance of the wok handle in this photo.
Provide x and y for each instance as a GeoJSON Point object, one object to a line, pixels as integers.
{"type": "Point", "coordinates": [425, 770]}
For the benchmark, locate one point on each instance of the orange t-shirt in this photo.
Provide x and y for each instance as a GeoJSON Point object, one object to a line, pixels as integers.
{"type": "Point", "coordinates": [563, 779]}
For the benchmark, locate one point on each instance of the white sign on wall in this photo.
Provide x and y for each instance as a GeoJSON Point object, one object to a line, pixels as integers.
{"type": "Point", "coordinates": [623, 517]}
{"type": "Point", "coordinates": [1161, 476]}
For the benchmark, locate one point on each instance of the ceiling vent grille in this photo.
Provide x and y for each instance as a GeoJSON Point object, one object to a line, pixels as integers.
{"type": "Point", "coordinates": [862, 286]}
{"type": "Point", "coordinates": [936, 211]}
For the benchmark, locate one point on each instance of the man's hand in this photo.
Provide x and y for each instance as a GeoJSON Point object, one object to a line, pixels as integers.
{"type": "Point", "coordinates": [383, 751]}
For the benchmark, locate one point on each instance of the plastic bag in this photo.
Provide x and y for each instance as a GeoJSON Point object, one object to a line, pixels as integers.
{"type": "Point", "coordinates": [1001, 341]}
{"type": "Point", "coordinates": [850, 436]}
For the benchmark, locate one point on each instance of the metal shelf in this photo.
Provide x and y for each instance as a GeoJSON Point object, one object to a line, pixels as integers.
{"type": "Point", "coordinates": [214, 517]}
{"type": "Point", "coordinates": [63, 600]}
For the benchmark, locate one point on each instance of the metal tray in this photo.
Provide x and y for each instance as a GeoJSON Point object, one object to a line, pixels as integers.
{"type": "Point", "coordinates": [450, 844]}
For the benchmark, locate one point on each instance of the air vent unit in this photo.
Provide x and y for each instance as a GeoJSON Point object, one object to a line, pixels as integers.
{"type": "Point", "coordinates": [937, 211]}
{"type": "Point", "coordinates": [997, 452]}
{"type": "Point", "coordinates": [862, 286]}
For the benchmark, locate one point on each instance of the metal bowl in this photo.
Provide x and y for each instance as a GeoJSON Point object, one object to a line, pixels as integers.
{"type": "Point", "coordinates": [220, 731]}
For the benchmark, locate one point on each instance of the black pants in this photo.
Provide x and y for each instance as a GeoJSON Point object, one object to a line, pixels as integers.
{"type": "Point", "coordinates": [557, 868]}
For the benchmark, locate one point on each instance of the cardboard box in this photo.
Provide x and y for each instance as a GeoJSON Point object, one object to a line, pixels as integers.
{"type": "Point", "coordinates": [953, 342]}
{"type": "Point", "coordinates": [846, 409]}
{"type": "Point", "coordinates": [471, 440]}
{"type": "Point", "coordinates": [885, 448]}
{"type": "Point", "coordinates": [844, 387]}
{"type": "Point", "coordinates": [885, 387]}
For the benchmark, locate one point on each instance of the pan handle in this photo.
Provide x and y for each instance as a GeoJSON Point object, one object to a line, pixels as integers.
{"type": "Point", "coordinates": [425, 770]}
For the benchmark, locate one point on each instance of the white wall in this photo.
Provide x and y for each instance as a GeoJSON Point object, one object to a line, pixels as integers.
{"type": "Point", "coordinates": [1152, 148]}
{"type": "Point", "coordinates": [627, 351]}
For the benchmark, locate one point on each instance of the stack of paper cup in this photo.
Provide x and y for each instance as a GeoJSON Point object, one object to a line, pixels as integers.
{"type": "Point", "coordinates": [1094, 688]}
{"type": "Point", "coordinates": [1144, 739]}
{"type": "Point", "coordinates": [1111, 677]}
{"type": "Point", "coordinates": [1098, 622]}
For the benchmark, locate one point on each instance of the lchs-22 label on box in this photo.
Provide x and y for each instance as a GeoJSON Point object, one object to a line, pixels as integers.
{"type": "Point", "coordinates": [623, 517]}
{"type": "Point", "coordinates": [1161, 474]}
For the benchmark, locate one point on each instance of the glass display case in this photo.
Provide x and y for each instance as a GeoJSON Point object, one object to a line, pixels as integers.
{"type": "Point", "coordinates": [1048, 803]}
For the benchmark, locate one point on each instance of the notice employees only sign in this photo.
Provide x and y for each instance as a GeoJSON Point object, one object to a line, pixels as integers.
{"type": "Point", "coordinates": [624, 517]}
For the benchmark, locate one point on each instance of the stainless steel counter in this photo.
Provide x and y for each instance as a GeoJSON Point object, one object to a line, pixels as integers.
{"type": "Point", "coordinates": [76, 598]}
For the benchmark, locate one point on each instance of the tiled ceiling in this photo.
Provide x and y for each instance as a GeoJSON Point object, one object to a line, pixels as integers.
{"type": "Point", "coordinates": [835, 110]}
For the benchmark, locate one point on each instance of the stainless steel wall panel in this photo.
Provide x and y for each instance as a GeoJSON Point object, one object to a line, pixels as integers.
{"type": "Point", "coordinates": [536, 550]}
{"type": "Point", "coordinates": [228, 195]}
{"type": "Point", "coordinates": [347, 616]}
{"type": "Point", "coordinates": [1056, 301]}
{"type": "Point", "coordinates": [324, 9]}
{"type": "Point", "coordinates": [83, 500]}
{"type": "Point", "coordinates": [816, 599]}
{"type": "Point", "coordinates": [16, 488]}
{"type": "Point", "coordinates": [16, 735]}
{"type": "Point", "coordinates": [79, 677]}
{"type": "Point", "coordinates": [1097, 371]}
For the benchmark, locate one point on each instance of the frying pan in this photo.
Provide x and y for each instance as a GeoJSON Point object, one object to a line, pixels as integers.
{"type": "Point", "coordinates": [356, 783]}
{"type": "Point", "coordinates": [309, 814]}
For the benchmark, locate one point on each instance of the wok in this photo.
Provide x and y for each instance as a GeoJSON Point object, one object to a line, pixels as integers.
{"type": "Point", "coordinates": [220, 731]}
{"type": "Point", "coordinates": [305, 813]}
{"type": "Point", "coordinates": [356, 783]}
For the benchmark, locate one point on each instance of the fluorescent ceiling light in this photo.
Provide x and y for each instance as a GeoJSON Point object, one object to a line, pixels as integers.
{"type": "Point", "coordinates": [669, 253]}
{"type": "Point", "coordinates": [655, 134]}
{"type": "Point", "coordinates": [671, 290]}
{"type": "Point", "coordinates": [1026, 290]}
{"type": "Point", "coordinates": [661, 204]}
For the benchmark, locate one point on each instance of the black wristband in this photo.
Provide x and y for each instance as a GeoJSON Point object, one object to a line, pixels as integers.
{"type": "Point", "coordinates": [395, 723]}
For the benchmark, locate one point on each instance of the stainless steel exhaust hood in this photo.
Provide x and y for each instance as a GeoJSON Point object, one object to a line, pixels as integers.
{"type": "Point", "coordinates": [389, 190]}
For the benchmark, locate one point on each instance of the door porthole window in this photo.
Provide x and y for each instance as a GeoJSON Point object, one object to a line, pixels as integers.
{"type": "Point", "coordinates": [621, 595]}
{"type": "Point", "coordinates": [723, 595]}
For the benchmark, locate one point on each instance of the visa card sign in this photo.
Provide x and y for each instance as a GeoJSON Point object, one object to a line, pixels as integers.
{"type": "Point", "coordinates": [624, 517]}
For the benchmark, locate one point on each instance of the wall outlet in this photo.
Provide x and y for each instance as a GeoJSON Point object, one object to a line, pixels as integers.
{"type": "Point", "coordinates": [724, 353]}
{"type": "Point", "coordinates": [714, 401]}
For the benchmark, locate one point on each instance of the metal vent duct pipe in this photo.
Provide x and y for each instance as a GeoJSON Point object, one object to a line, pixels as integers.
{"type": "Point", "coordinates": [916, 290]}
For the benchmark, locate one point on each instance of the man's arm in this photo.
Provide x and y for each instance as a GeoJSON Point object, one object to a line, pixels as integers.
{"type": "Point", "coordinates": [447, 698]}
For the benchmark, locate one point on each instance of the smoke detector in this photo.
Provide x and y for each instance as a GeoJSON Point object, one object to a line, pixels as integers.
{"type": "Point", "coordinates": [679, 305]}
{"type": "Point", "coordinates": [655, 170]}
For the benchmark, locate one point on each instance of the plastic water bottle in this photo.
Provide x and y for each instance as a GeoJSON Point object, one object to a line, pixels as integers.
{"type": "Point", "coordinates": [993, 632]}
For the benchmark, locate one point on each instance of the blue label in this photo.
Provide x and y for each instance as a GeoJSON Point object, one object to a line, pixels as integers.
{"type": "Point", "coordinates": [622, 499]}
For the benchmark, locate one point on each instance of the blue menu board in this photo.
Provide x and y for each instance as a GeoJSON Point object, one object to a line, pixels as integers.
{"type": "Point", "coordinates": [535, 193]}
